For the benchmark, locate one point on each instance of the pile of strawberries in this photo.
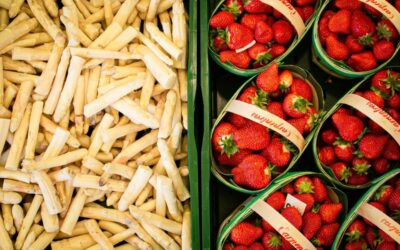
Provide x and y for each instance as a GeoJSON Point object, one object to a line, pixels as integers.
{"type": "Point", "coordinates": [319, 223]}
{"type": "Point", "coordinates": [239, 23]}
{"type": "Point", "coordinates": [256, 153]}
{"type": "Point", "coordinates": [355, 147]}
{"type": "Point", "coordinates": [362, 234]}
{"type": "Point", "coordinates": [357, 34]}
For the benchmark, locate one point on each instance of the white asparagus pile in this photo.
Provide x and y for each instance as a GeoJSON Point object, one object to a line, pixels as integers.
{"type": "Point", "coordinates": [93, 120]}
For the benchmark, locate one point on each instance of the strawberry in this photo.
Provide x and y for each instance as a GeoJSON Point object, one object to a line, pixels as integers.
{"type": "Point", "coordinates": [276, 200]}
{"type": "Point", "coordinates": [298, 123]}
{"type": "Point", "coordinates": [386, 81]}
{"type": "Point", "coordinates": [323, 29]}
{"type": "Point", "coordinates": [361, 24]}
{"type": "Point", "coordinates": [392, 151]}
{"type": "Point", "coordinates": [326, 234]}
{"type": "Point", "coordinates": [276, 109]}
{"type": "Point", "coordinates": [277, 50]}
{"type": "Point", "coordinates": [293, 216]}
{"type": "Point", "coordinates": [394, 201]}
{"type": "Point", "coordinates": [237, 120]}
{"type": "Point", "coordinates": [256, 6]}
{"type": "Point", "coordinates": [245, 234]}
{"type": "Point", "coordinates": [301, 88]}
{"type": "Point", "coordinates": [356, 245]}
{"type": "Point", "coordinates": [295, 106]}
{"type": "Point", "coordinates": [326, 155]}
{"type": "Point", "coordinates": [394, 101]}
{"type": "Point", "coordinates": [348, 4]}
{"type": "Point", "coordinates": [386, 30]}
{"type": "Point", "coordinates": [308, 199]}
{"type": "Point", "coordinates": [271, 241]}
{"type": "Point", "coordinates": [336, 49]}
{"type": "Point", "coordinates": [266, 226]}
{"type": "Point", "coordinates": [240, 60]}
{"type": "Point", "coordinates": [357, 179]}
{"type": "Point", "coordinates": [222, 19]}
{"type": "Point", "coordinates": [371, 236]}
{"type": "Point", "coordinates": [268, 80]}
{"type": "Point", "coordinates": [228, 246]}
{"type": "Point", "coordinates": [311, 118]}
{"type": "Point", "coordinates": [362, 61]}
{"type": "Point", "coordinates": [329, 136]}
{"type": "Point", "coordinates": [341, 171]}
{"type": "Point", "coordinates": [340, 22]}
{"type": "Point", "coordinates": [250, 20]}
{"type": "Point", "coordinates": [240, 248]}
{"type": "Point", "coordinates": [349, 127]}
{"type": "Point", "coordinates": [256, 246]}
{"type": "Point", "coordinates": [233, 6]}
{"type": "Point", "coordinates": [303, 185]}
{"type": "Point", "coordinates": [263, 32]}
{"type": "Point", "coordinates": [375, 98]}
{"type": "Point", "coordinates": [254, 96]}
{"type": "Point", "coordinates": [218, 42]}
{"type": "Point", "coordinates": [222, 138]}
{"type": "Point", "coordinates": [278, 152]}
{"type": "Point", "coordinates": [259, 53]}
{"type": "Point", "coordinates": [234, 159]}
{"type": "Point", "coordinates": [353, 44]}
{"type": "Point", "coordinates": [330, 212]}
{"type": "Point", "coordinates": [238, 36]}
{"type": "Point", "coordinates": [311, 224]}
{"type": "Point", "coordinates": [286, 245]}
{"type": "Point", "coordinates": [360, 165]}
{"type": "Point", "coordinates": [383, 50]}
{"type": "Point", "coordinates": [356, 230]}
{"type": "Point", "coordinates": [304, 2]}
{"type": "Point", "coordinates": [394, 114]}
{"type": "Point", "coordinates": [320, 191]}
{"type": "Point", "coordinates": [386, 246]}
{"type": "Point", "coordinates": [372, 146]}
{"type": "Point", "coordinates": [283, 31]}
{"type": "Point", "coordinates": [383, 194]}
{"type": "Point", "coordinates": [308, 11]}
{"type": "Point", "coordinates": [252, 136]}
{"type": "Point", "coordinates": [380, 166]}
{"type": "Point", "coordinates": [375, 128]}
{"type": "Point", "coordinates": [385, 236]}
{"type": "Point", "coordinates": [285, 80]}
{"type": "Point", "coordinates": [343, 150]}
{"type": "Point", "coordinates": [252, 172]}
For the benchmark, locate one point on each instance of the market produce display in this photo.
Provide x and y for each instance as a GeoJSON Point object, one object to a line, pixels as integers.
{"type": "Point", "coordinates": [93, 125]}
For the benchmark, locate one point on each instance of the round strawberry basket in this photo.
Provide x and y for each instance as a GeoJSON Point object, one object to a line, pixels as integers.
{"type": "Point", "coordinates": [315, 144]}
{"type": "Point", "coordinates": [354, 214]}
{"type": "Point", "coordinates": [251, 72]}
{"type": "Point", "coordinates": [338, 68]}
{"type": "Point", "coordinates": [245, 210]}
{"type": "Point", "coordinates": [222, 173]}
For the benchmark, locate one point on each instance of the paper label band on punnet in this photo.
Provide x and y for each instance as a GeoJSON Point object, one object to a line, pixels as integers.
{"type": "Point", "coordinates": [268, 120]}
{"type": "Point", "coordinates": [387, 10]}
{"type": "Point", "coordinates": [381, 220]}
{"type": "Point", "coordinates": [375, 113]}
{"type": "Point", "coordinates": [284, 7]}
{"type": "Point", "coordinates": [282, 226]}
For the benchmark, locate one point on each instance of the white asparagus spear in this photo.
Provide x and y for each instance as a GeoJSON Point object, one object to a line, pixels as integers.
{"type": "Point", "coordinates": [7, 217]}
{"type": "Point", "coordinates": [93, 181]}
{"type": "Point", "coordinates": [97, 142]}
{"type": "Point", "coordinates": [35, 231]}
{"type": "Point", "coordinates": [170, 197]}
{"type": "Point", "coordinates": [123, 13]}
{"type": "Point", "coordinates": [1, 82]}
{"type": "Point", "coordinates": [6, 242]}
{"type": "Point", "coordinates": [20, 104]}
{"type": "Point", "coordinates": [51, 127]}
{"type": "Point", "coordinates": [43, 240]}
{"type": "Point", "coordinates": [116, 238]}
{"type": "Point", "coordinates": [161, 206]}
{"type": "Point", "coordinates": [4, 125]}
{"type": "Point", "coordinates": [73, 213]}
{"type": "Point", "coordinates": [99, 15]}
{"type": "Point", "coordinates": [147, 89]}
{"type": "Point", "coordinates": [18, 215]}
{"type": "Point", "coordinates": [51, 199]}
{"type": "Point", "coordinates": [20, 187]}
{"type": "Point", "coordinates": [164, 41]}
{"type": "Point", "coordinates": [78, 242]}
{"type": "Point", "coordinates": [33, 131]}
{"type": "Point", "coordinates": [57, 143]}
{"type": "Point", "coordinates": [108, 13]}
{"type": "Point", "coordinates": [19, 66]}
{"type": "Point", "coordinates": [30, 54]}
{"type": "Point", "coordinates": [160, 236]}
{"type": "Point", "coordinates": [96, 233]}
{"type": "Point", "coordinates": [94, 77]}
{"type": "Point", "coordinates": [116, 132]}
{"type": "Point", "coordinates": [126, 247]}
{"type": "Point", "coordinates": [15, 7]}
{"type": "Point", "coordinates": [103, 54]}
{"type": "Point", "coordinates": [17, 77]}
{"type": "Point", "coordinates": [93, 164]}
{"type": "Point", "coordinates": [50, 221]}
{"type": "Point", "coordinates": [167, 116]}
{"type": "Point", "coordinates": [165, 5]}
{"type": "Point", "coordinates": [9, 35]}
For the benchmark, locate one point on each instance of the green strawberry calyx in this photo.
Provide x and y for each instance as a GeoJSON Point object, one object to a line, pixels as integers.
{"type": "Point", "coordinates": [366, 40]}
{"type": "Point", "coordinates": [380, 192]}
{"type": "Point", "coordinates": [354, 235]}
{"type": "Point", "coordinates": [289, 146]}
{"type": "Point", "coordinates": [380, 93]}
{"type": "Point", "coordinates": [305, 187]}
{"type": "Point", "coordinates": [228, 145]}
{"type": "Point", "coordinates": [301, 104]}
{"type": "Point", "coordinates": [344, 174]}
{"type": "Point", "coordinates": [396, 216]}
{"type": "Point", "coordinates": [260, 99]}
{"type": "Point", "coordinates": [233, 8]}
{"type": "Point", "coordinates": [340, 142]}
{"type": "Point", "coordinates": [392, 82]}
{"type": "Point", "coordinates": [383, 31]}
{"type": "Point", "coordinates": [361, 168]}
{"type": "Point", "coordinates": [275, 241]}
{"type": "Point", "coordinates": [264, 58]}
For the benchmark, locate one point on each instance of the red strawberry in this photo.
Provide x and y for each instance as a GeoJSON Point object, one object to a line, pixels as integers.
{"type": "Point", "coordinates": [254, 96]}
{"type": "Point", "coordinates": [394, 101]}
{"type": "Point", "coordinates": [218, 43]}
{"type": "Point", "coordinates": [245, 234]}
{"type": "Point", "coordinates": [263, 32]}
{"type": "Point", "coordinates": [288, 189]}
{"type": "Point", "coordinates": [221, 139]}
{"type": "Point", "coordinates": [304, 2]}
{"type": "Point", "coordinates": [308, 199]}
{"type": "Point", "coordinates": [311, 119]}
{"type": "Point", "coordinates": [259, 53]}
{"type": "Point", "coordinates": [311, 224]}
{"type": "Point", "coordinates": [293, 216]}
{"type": "Point", "coordinates": [256, 246]}
{"type": "Point", "coordinates": [276, 109]}
{"type": "Point", "coordinates": [276, 200]}
{"type": "Point", "coordinates": [383, 50]}
{"type": "Point", "coordinates": [394, 201]}
{"type": "Point", "coordinates": [372, 146]}
{"type": "Point", "coordinates": [394, 114]}
{"type": "Point", "coordinates": [330, 212]}
{"type": "Point", "coordinates": [336, 49]}
{"type": "Point", "coordinates": [283, 31]}
{"type": "Point", "coordinates": [277, 50]}
{"type": "Point", "coordinates": [240, 248]}
{"type": "Point", "coordinates": [286, 245]}
{"type": "Point", "coordinates": [238, 36]}
{"type": "Point", "coordinates": [356, 245]}
{"type": "Point", "coordinates": [285, 80]}
{"type": "Point", "coordinates": [303, 185]}
{"type": "Point", "coordinates": [327, 155]}
{"type": "Point", "coordinates": [353, 44]}
{"type": "Point", "coordinates": [252, 136]}
{"type": "Point", "coordinates": [252, 172]}
{"type": "Point", "coordinates": [356, 230]}
{"type": "Point", "coordinates": [362, 61]}
{"type": "Point", "coordinates": [222, 19]}
{"type": "Point", "coordinates": [329, 136]}
{"type": "Point", "coordinates": [234, 159]}
{"type": "Point", "coordinates": [383, 194]}
{"type": "Point", "coordinates": [268, 80]}
{"type": "Point", "coordinates": [348, 4]}
{"type": "Point", "coordinates": [371, 236]}
{"type": "Point", "coordinates": [386, 81]}
{"type": "Point", "coordinates": [295, 106]}
{"type": "Point", "coordinates": [256, 6]}
{"type": "Point", "coordinates": [385, 236]}
{"type": "Point", "coordinates": [326, 234]}
{"type": "Point", "coordinates": [277, 152]}
{"type": "Point", "coordinates": [237, 120]}
{"type": "Point", "coordinates": [234, 6]}
{"type": "Point", "coordinates": [375, 98]}
{"type": "Point", "coordinates": [308, 11]}
{"type": "Point", "coordinates": [349, 127]}
{"type": "Point", "coordinates": [375, 128]}
{"type": "Point", "coordinates": [271, 241]}
{"type": "Point", "coordinates": [386, 30]}
{"type": "Point", "coordinates": [323, 29]}
{"type": "Point", "coordinates": [250, 20]}
{"type": "Point", "coordinates": [340, 22]}
{"type": "Point", "coordinates": [357, 179]}
{"type": "Point", "coordinates": [298, 123]}
{"type": "Point", "coordinates": [240, 60]}
{"type": "Point", "coordinates": [361, 24]}
{"type": "Point", "coordinates": [341, 171]}
{"type": "Point", "coordinates": [371, 10]}
{"type": "Point", "coordinates": [386, 246]}
{"type": "Point", "coordinates": [360, 165]}
{"type": "Point", "coordinates": [320, 191]}
{"type": "Point", "coordinates": [301, 88]}
{"type": "Point", "coordinates": [392, 151]}
{"type": "Point", "coordinates": [380, 166]}
{"type": "Point", "coordinates": [343, 150]}
{"type": "Point", "coordinates": [228, 246]}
